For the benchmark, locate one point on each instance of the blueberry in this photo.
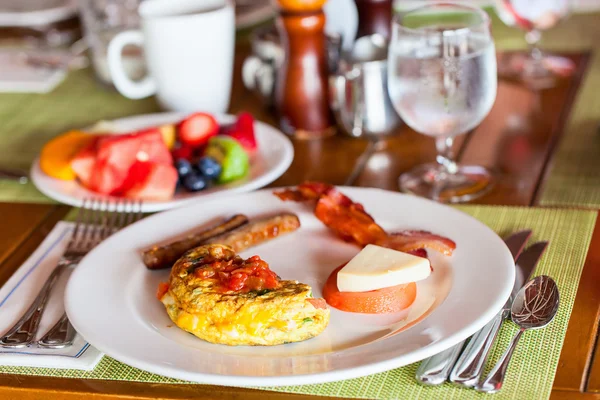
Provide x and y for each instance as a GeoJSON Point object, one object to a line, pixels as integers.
{"type": "Point", "coordinates": [183, 167]}
{"type": "Point", "coordinates": [194, 182]}
{"type": "Point", "coordinates": [209, 167]}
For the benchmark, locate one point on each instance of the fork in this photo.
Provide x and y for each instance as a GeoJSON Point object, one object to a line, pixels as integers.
{"type": "Point", "coordinates": [96, 220]}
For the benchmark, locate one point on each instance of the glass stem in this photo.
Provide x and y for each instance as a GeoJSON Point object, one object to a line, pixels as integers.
{"type": "Point", "coordinates": [532, 38]}
{"type": "Point", "coordinates": [444, 155]}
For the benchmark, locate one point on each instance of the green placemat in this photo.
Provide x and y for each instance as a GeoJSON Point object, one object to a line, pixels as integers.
{"type": "Point", "coordinates": [27, 121]}
{"type": "Point", "coordinates": [574, 177]}
{"type": "Point", "coordinates": [574, 174]}
{"type": "Point", "coordinates": [534, 364]}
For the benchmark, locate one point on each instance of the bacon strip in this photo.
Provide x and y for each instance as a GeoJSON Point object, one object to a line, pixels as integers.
{"type": "Point", "coordinates": [408, 241]}
{"type": "Point", "coordinates": [418, 253]}
{"type": "Point", "coordinates": [352, 223]}
{"type": "Point", "coordinates": [305, 191]}
{"type": "Point", "coordinates": [347, 219]}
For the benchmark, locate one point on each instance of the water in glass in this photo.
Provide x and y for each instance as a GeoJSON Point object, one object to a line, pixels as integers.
{"type": "Point", "coordinates": [442, 80]}
{"type": "Point", "coordinates": [441, 91]}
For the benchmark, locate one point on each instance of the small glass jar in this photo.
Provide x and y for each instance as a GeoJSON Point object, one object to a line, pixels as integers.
{"type": "Point", "coordinates": [102, 20]}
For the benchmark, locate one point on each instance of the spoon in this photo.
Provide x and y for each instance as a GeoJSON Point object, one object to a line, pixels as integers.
{"type": "Point", "coordinates": [534, 307]}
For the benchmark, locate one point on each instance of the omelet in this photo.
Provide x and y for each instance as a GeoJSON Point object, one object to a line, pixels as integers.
{"type": "Point", "coordinates": [219, 297]}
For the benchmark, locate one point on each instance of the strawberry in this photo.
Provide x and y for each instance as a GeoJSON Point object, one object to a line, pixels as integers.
{"type": "Point", "coordinates": [195, 130]}
{"type": "Point", "coordinates": [182, 152]}
{"type": "Point", "coordinates": [243, 131]}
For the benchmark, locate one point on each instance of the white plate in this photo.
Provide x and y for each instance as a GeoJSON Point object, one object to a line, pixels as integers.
{"type": "Point", "coordinates": [273, 157]}
{"type": "Point", "coordinates": [110, 297]}
{"type": "Point", "coordinates": [27, 13]}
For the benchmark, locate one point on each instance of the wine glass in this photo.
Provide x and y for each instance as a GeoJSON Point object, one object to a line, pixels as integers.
{"type": "Point", "coordinates": [533, 16]}
{"type": "Point", "coordinates": [442, 81]}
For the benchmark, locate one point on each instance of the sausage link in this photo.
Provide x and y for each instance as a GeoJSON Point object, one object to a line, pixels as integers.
{"type": "Point", "coordinates": [159, 257]}
{"type": "Point", "coordinates": [257, 232]}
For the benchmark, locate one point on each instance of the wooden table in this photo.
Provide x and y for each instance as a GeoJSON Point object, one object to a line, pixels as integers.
{"type": "Point", "coordinates": [517, 140]}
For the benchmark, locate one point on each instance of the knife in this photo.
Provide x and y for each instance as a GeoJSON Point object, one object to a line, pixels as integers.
{"type": "Point", "coordinates": [13, 174]}
{"type": "Point", "coordinates": [435, 369]}
{"type": "Point", "coordinates": [470, 365]}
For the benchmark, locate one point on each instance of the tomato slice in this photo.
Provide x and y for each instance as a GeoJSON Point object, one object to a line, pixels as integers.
{"type": "Point", "coordinates": [381, 301]}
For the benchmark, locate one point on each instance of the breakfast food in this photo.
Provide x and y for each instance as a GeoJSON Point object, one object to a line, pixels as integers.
{"type": "Point", "coordinates": [231, 156]}
{"type": "Point", "coordinates": [164, 256]}
{"type": "Point", "coordinates": [197, 129]}
{"type": "Point", "coordinates": [243, 131]}
{"type": "Point", "coordinates": [258, 231]}
{"type": "Point", "coordinates": [219, 297]}
{"type": "Point", "coordinates": [381, 301]}
{"type": "Point", "coordinates": [352, 223]}
{"type": "Point", "coordinates": [149, 164]}
{"type": "Point", "coordinates": [134, 165]}
{"type": "Point", "coordinates": [57, 154]}
{"type": "Point", "coordinates": [378, 280]}
{"type": "Point", "coordinates": [376, 267]}
{"type": "Point", "coordinates": [236, 232]}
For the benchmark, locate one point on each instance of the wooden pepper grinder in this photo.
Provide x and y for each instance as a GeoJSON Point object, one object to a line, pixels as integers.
{"type": "Point", "coordinates": [301, 89]}
{"type": "Point", "coordinates": [374, 16]}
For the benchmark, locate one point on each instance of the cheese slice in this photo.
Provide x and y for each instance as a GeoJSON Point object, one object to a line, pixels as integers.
{"type": "Point", "coordinates": [377, 267]}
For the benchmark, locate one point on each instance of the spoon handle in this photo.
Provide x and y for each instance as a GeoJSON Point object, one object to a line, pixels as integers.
{"type": "Point", "coordinates": [493, 382]}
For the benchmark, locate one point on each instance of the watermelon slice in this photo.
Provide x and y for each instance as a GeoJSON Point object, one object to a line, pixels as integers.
{"type": "Point", "coordinates": [119, 160]}
{"type": "Point", "coordinates": [159, 184]}
{"type": "Point", "coordinates": [83, 164]}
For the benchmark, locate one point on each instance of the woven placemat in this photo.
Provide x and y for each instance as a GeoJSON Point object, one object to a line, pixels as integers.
{"type": "Point", "coordinates": [30, 120]}
{"type": "Point", "coordinates": [574, 178]}
{"type": "Point", "coordinates": [534, 364]}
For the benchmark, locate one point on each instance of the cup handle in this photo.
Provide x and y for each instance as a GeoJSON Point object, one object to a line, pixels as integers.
{"type": "Point", "coordinates": [127, 87]}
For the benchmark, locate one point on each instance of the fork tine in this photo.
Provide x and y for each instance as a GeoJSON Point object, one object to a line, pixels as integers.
{"type": "Point", "coordinates": [122, 215]}
{"type": "Point", "coordinates": [78, 220]}
{"type": "Point", "coordinates": [110, 217]}
{"type": "Point", "coordinates": [99, 221]}
{"type": "Point", "coordinates": [94, 222]}
{"type": "Point", "coordinates": [89, 225]}
{"type": "Point", "coordinates": [86, 220]}
{"type": "Point", "coordinates": [105, 215]}
{"type": "Point", "coordinates": [130, 213]}
{"type": "Point", "coordinates": [139, 213]}
{"type": "Point", "coordinates": [114, 226]}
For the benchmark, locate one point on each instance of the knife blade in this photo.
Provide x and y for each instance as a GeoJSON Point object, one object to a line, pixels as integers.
{"type": "Point", "coordinates": [14, 174]}
{"type": "Point", "coordinates": [435, 369]}
{"type": "Point", "coordinates": [471, 363]}
{"type": "Point", "coordinates": [516, 243]}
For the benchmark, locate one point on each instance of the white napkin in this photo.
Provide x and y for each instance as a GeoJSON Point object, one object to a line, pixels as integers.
{"type": "Point", "coordinates": [18, 294]}
{"type": "Point", "coordinates": [16, 75]}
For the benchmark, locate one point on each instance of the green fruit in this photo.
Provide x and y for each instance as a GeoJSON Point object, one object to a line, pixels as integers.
{"type": "Point", "coordinates": [232, 157]}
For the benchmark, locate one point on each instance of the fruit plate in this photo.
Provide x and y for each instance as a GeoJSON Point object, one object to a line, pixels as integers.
{"type": "Point", "coordinates": [110, 298]}
{"type": "Point", "coordinates": [272, 158]}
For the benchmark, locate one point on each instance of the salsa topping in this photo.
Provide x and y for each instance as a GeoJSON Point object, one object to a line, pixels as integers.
{"type": "Point", "coordinates": [239, 275]}
{"type": "Point", "coordinates": [163, 288]}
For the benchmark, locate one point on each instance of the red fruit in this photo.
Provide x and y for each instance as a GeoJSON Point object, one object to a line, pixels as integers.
{"type": "Point", "coordinates": [182, 152]}
{"type": "Point", "coordinates": [83, 164]}
{"type": "Point", "coordinates": [106, 178]}
{"type": "Point", "coordinates": [116, 155]}
{"type": "Point", "coordinates": [243, 131]}
{"type": "Point", "coordinates": [196, 129]}
{"type": "Point", "coordinates": [137, 173]}
{"type": "Point", "coordinates": [159, 184]}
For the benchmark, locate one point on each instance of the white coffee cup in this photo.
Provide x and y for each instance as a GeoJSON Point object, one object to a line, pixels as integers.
{"type": "Point", "coordinates": [189, 49]}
